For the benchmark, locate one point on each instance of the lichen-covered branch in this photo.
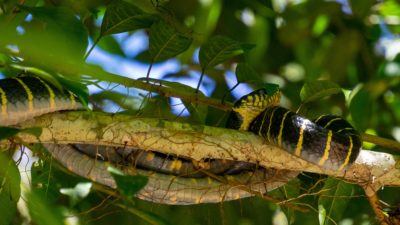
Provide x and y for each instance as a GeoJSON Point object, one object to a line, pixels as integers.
{"type": "Point", "coordinates": [372, 170]}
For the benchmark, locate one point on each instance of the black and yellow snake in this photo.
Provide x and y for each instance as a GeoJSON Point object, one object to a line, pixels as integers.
{"type": "Point", "coordinates": [329, 141]}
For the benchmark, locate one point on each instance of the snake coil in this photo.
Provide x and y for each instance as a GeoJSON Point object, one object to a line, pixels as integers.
{"type": "Point", "coordinates": [329, 141]}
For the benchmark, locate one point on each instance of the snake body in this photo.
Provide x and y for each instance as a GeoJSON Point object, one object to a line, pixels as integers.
{"type": "Point", "coordinates": [328, 141]}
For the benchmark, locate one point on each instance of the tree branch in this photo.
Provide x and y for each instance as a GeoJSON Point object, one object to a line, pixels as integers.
{"type": "Point", "coordinates": [372, 170]}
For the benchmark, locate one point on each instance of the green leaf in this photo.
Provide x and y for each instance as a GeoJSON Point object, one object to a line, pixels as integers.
{"type": "Point", "coordinates": [361, 108]}
{"type": "Point", "coordinates": [7, 132]}
{"type": "Point", "coordinates": [197, 111]}
{"type": "Point", "coordinates": [271, 89]}
{"type": "Point", "coordinates": [47, 176]}
{"type": "Point", "coordinates": [333, 203]}
{"type": "Point", "coordinates": [109, 44]}
{"type": "Point", "coordinates": [150, 217]}
{"type": "Point", "coordinates": [127, 185]}
{"type": "Point", "coordinates": [35, 131]}
{"type": "Point", "coordinates": [62, 32]}
{"type": "Point", "coordinates": [124, 101]}
{"type": "Point", "coordinates": [342, 53]}
{"type": "Point", "coordinates": [361, 8]}
{"type": "Point", "coordinates": [122, 16]}
{"type": "Point", "coordinates": [246, 74]}
{"type": "Point", "coordinates": [75, 87]}
{"type": "Point", "coordinates": [288, 191]}
{"type": "Point", "coordinates": [41, 211]}
{"type": "Point", "coordinates": [320, 24]}
{"type": "Point", "coordinates": [220, 48]}
{"type": "Point", "coordinates": [314, 90]}
{"type": "Point", "coordinates": [77, 193]}
{"type": "Point", "coordinates": [166, 42]}
{"type": "Point", "coordinates": [9, 188]}
{"type": "Point", "coordinates": [389, 8]}
{"type": "Point", "coordinates": [177, 87]}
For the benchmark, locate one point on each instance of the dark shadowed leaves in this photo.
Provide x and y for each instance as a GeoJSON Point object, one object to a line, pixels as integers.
{"type": "Point", "coordinates": [314, 90]}
{"type": "Point", "coordinates": [165, 41]}
{"type": "Point", "coordinates": [246, 74]}
{"type": "Point", "coordinates": [341, 53]}
{"type": "Point", "coordinates": [271, 89]}
{"type": "Point", "coordinates": [35, 131]}
{"type": "Point", "coordinates": [9, 188]}
{"type": "Point", "coordinates": [333, 202]}
{"type": "Point", "coordinates": [361, 108]}
{"type": "Point", "coordinates": [79, 89]}
{"type": "Point", "coordinates": [218, 49]}
{"type": "Point", "coordinates": [127, 185]}
{"type": "Point", "coordinates": [151, 218]}
{"type": "Point", "coordinates": [122, 16]}
{"type": "Point", "coordinates": [43, 212]}
{"type": "Point", "coordinates": [7, 132]}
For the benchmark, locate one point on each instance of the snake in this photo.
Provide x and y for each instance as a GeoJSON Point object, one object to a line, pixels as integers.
{"type": "Point", "coordinates": [328, 141]}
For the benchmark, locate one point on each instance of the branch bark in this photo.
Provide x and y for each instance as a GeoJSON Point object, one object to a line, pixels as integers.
{"type": "Point", "coordinates": [372, 170]}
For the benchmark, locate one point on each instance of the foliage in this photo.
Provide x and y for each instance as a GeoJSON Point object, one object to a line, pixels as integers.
{"type": "Point", "coordinates": [327, 56]}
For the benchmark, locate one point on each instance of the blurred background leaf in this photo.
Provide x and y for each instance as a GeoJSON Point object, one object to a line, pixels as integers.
{"type": "Point", "coordinates": [10, 190]}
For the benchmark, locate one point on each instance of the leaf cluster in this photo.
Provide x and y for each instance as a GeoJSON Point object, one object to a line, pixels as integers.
{"type": "Point", "coordinates": [326, 57]}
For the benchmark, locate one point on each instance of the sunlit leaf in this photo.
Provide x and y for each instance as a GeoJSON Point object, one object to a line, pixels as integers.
{"type": "Point", "coordinates": [246, 74]}
{"type": "Point", "coordinates": [127, 185]}
{"type": "Point", "coordinates": [389, 8]}
{"type": "Point", "coordinates": [314, 90]}
{"type": "Point", "coordinates": [279, 217]}
{"type": "Point", "coordinates": [332, 204]}
{"type": "Point", "coordinates": [77, 193]}
{"type": "Point", "coordinates": [9, 188]}
{"type": "Point", "coordinates": [320, 24]}
{"type": "Point", "coordinates": [219, 49]}
{"type": "Point", "coordinates": [166, 42]}
{"type": "Point", "coordinates": [122, 16]}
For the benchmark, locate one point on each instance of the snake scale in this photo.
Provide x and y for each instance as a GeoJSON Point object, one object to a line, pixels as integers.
{"type": "Point", "coordinates": [328, 141]}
